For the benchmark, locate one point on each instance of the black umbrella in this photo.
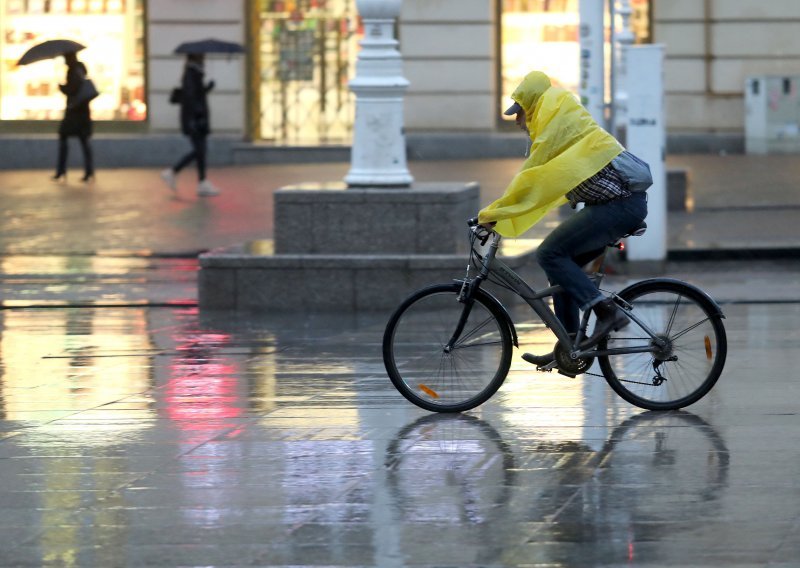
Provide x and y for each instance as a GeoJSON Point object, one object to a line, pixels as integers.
{"type": "Point", "coordinates": [209, 46]}
{"type": "Point", "coordinates": [49, 49]}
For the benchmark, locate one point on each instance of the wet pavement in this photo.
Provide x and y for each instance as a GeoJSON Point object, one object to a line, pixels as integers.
{"type": "Point", "coordinates": [736, 202]}
{"type": "Point", "coordinates": [126, 239]}
{"type": "Point", "coordinates": [164, 437]}
{"type": "Point", "coordinates": [139, 431]}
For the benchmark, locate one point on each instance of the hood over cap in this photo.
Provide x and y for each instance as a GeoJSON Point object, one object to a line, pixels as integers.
{"type": "Point", "coordinates": [567, 148]}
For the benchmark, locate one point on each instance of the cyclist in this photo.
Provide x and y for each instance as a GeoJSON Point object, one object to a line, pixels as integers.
{"type": "Point", "coordinates": [572, 160]}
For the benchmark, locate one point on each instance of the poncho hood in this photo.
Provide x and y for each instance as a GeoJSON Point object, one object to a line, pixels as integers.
{"type": "Point", "coordinates": [528, 93]}
{"type": "Point", "coordinates": [567, 148]}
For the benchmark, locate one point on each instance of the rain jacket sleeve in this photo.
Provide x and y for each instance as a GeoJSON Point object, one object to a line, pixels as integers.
{"type": "Point", "coordinates": [567, 147]}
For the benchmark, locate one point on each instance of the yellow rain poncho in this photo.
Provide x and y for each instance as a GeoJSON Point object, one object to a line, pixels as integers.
{"type": "Point", "coordinates": [567, 148]}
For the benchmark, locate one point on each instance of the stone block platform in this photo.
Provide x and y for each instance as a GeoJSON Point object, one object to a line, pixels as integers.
{"type": "Point", "coordinates": [339, 248]}
{"type": "Point", "coordinates": [427, 218]}
{"type": "Point", "coordinates": [248, 277]}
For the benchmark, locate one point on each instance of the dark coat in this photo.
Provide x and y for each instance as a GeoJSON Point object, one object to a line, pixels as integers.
{"type": "Point", "coordinates": [194, 102]}
{"type": "Point", "coordinates": [77, 119]}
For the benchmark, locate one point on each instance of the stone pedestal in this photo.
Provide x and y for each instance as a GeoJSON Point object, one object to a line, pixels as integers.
{"type": "Point", "coordinates": [339, 248]}
{"type": "Point", "coordinates": [427, 218]}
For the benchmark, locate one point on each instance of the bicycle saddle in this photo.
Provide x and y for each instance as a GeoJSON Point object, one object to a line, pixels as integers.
{"type": "Point", "coordinates": [637, 231]}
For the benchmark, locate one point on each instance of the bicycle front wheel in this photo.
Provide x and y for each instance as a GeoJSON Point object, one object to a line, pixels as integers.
{"type": "Point", "coordinates": [685, 365]}
{"type": "Point", "coordinates": [429, 374]}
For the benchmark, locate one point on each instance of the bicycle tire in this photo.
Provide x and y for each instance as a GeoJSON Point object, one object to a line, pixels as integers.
{"type": "Point", "coordinates": [690, 366]}
{"type": "Point", "coordinates": [429, 377]}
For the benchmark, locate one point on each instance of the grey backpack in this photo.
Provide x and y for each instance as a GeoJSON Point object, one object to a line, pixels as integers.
{"type": "Point", "coordinates": [633, 171]}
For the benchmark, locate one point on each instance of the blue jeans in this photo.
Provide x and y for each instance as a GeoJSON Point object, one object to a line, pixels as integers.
{"type": "Point", "coordinates": [577, 241]}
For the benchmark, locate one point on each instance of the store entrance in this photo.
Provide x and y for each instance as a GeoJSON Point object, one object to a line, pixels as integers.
{"type": "Point", "coordinates": [305, 57]}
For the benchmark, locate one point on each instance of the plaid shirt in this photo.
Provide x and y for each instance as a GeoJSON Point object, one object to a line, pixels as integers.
{"type": "Point", "coordinates": [605, 185]}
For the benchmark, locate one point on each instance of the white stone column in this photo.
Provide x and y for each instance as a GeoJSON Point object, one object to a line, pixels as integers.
{"type": "Point", "coordinates": [592, 68]}
{"type": "Point", "coordinates": [378, 156]}
{"type": "Point", "coordinates": [647, 139]}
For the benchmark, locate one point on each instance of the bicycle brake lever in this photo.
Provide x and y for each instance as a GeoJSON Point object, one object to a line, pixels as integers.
{"type": "Point", "coordinates": [482, 234]}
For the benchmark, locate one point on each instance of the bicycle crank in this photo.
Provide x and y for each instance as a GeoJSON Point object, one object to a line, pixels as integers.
{"type": "Point", "coordinates": [568, 366]}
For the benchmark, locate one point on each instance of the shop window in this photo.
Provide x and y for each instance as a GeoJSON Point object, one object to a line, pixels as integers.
{"type": "Point", "coordinates": [111, 30]}
{"type": "Point", "coordinates": [543, 35]}
{"type": "Point", "coordinates": [306, 54]}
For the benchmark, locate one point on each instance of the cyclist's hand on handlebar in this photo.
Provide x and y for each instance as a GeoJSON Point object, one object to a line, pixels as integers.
{"type": "Point", "coordinates": [474, 223]}
{"type": "Point", "coordinates": [482, 231]}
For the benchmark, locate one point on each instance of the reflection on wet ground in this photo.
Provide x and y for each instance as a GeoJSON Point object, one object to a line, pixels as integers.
{"type": "Point", "coordinates": [162, 436]}
{"type": "Point", "coordinates": [111, 279]}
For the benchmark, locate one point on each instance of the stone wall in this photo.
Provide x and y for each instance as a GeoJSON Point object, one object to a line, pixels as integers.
{"type": "Point", "coordinates": [712, 46]}
{"type": "Point", "coordinates": [448, 49]}
{"type": "Point", "coordinates": [172, 22]}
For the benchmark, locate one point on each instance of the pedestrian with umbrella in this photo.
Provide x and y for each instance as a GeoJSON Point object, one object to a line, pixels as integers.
{"type": "Point", "coordinates": [80, 91]}
{"type": "Point", "coordinates": [195, 116]}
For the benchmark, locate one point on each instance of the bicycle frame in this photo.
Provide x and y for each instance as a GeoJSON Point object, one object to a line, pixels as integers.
{"type": "Point", "coordinates": [535, 299]}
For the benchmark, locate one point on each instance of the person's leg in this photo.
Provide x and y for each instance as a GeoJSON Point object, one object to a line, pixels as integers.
{"type": "Point", "coordinates": [204, 186]}
{"type": "Point", "coordinates": [565, 307]}
{"type": "Point", "coordinates": [569, 246]}
{"type": "Point", "coordinates": [200, 149]}
{"type": "Point", "coordinates": [590, 229]}
{"type": "Point", "coordinates": [88, 159]}
{"type": "Point", "coordinates": [61, 164]}
{"type": "Point", "coordinates": [169, 175]}
{"type": "Point", "coordinates": [188, 158]}
{"type": "Point", "coordinates": [566, 310]}
{"type": "Point", "coordinates": [185, 161]}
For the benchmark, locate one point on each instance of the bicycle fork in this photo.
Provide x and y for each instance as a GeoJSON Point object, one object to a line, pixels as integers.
{"type": "Point", "coordinates": [467, 294]}
{"type": "Point", "coordinates": [462, 322]}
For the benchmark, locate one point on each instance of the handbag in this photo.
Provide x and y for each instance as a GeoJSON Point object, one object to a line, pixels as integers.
{"type": "Point", "coordinates": [176, 96]}
{"type": "Point", "coordinates": [86, 92]}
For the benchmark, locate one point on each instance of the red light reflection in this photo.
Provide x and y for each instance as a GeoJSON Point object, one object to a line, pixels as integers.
{"type": "Point", "coordinates": [202, 390]}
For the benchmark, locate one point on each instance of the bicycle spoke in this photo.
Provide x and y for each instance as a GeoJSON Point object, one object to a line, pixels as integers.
{"type": "Point", "coordinates": [437, 378]}
{"type": "Point", "coordinates": [684, 365]}
{"type": "Point", "coordinates": [498, 342]}
{"type": "Point", "coordinates": [688, 329]}
{"type": "Point", "coordinates": [464, 338]}
{"type": "Point", "coordinates": [672, 316]}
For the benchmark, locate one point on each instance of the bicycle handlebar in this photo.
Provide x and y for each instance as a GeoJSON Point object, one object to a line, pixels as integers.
{"type": "Point", "coordinates": [481, 233]}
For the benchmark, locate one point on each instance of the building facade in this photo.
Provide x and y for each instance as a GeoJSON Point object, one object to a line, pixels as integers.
{"type": "Point", "coordinates": [462, 58]}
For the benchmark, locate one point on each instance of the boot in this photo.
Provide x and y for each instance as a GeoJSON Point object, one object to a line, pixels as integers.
{"type": "Point", "coordinates": [609, 317]}
{"type": "Point", "coordinates": [541, 360]}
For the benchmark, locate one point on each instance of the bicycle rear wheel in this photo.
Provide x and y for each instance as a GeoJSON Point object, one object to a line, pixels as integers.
{"type": "Point", "coordinates": [687, 367]}
{"type": "Point", "coordinates": [423, 370]}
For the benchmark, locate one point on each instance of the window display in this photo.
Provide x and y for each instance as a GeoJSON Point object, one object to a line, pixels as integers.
{"type": "Point", "coordinates": [111, 30]}
{"type": "Point", "coordinates": [305, 57]}
{"type": "Point", "coordinates": [546, 31]}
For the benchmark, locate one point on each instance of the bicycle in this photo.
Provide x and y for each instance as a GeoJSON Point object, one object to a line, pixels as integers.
{"type": "Point", "coordinates": [448, 347]}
